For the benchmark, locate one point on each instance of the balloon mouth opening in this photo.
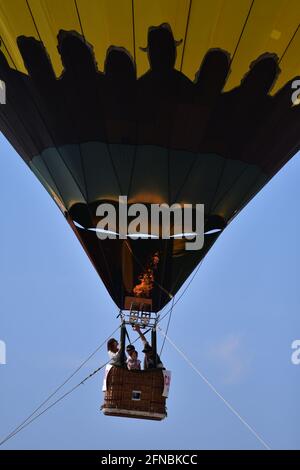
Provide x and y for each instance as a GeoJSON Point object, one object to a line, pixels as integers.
{"type": "Point", "coordinates": [181, 235]}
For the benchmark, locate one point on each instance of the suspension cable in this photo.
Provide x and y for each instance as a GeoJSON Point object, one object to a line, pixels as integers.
{"type": "Point", "coordinates": [60, 386]}
{"type": "Point", "coordinates": [229, 406]}
{"type": "Point", "coordinates": [33, 416]}
{"type": "Point", "coordinates": [29, 421]}
{"type": "Point", "coordinates": [26, 421]}
{"type": "Point", "coordinates": [182, 294]}
{"type": "Point", "coordinates": [168, 324]}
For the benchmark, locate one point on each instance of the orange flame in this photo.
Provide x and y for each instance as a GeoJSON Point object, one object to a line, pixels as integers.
{"type": "Point", "coordinates": [146, 280]}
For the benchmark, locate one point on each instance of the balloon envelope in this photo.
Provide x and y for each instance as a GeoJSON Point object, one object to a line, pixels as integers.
{"type": "Point", "coordinates": [195, 110]}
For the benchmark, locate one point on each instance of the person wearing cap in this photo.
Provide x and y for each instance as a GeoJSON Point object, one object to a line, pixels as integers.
{"type": "Point", "coordinates": [149, 362]}
{"type": "Point", "coordinates": [114, 352]}
{"type": "Point", "coordinates": [162, 77]}
{"type": "Point", "coordinates": [133, 363]}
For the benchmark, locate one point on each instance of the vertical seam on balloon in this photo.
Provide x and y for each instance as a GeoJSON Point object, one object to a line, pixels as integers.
{"type": "Point", "coordinates": [112, 162]}
{"type": "Point", "coordinates": [79, 19]}
{"type": "Point", "coordinates": [185, 34]}
{"type": "Point", "coordinates": [288, 45]}
{"type": "Point", "coordinates": [83, 173]}
{"type": "Point", "coordinates": [136, 121]}
{"type": "Point", "coordinates": [186, 178]}
{"type": "Point", "coordinates": [3, 42]}
{"type": "Point", "coordinates": [242, 32]}
{"type": "Point", "coordinates": [230, 188]}
{"type": "Point", "coordinates": [133, 32]}
{"type": "Point", "coordinates": [35, 25]}
{"type": "Point", "coordinates": [212, 205]}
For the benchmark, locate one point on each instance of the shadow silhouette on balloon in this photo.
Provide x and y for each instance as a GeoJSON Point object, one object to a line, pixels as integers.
{"type": "Point", "coordinates": [187, 140]}
{"type": "Point", "coordinates": [162, 90]}
{"type": "Point", "coordinates": [162, 108]}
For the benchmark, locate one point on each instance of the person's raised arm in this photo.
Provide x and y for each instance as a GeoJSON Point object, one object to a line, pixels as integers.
{"type": "Point", "coordinates": [137, 329]}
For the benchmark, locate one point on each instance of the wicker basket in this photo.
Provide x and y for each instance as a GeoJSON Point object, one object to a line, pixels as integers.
{"type": "Point", "coordinates": [135, 394]}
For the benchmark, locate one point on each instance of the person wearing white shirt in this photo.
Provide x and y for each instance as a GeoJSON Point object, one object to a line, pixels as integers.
{"type": "Point", "coordinates": [114, 352]}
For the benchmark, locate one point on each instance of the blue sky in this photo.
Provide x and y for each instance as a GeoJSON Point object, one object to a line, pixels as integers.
{"type": "Point", "coordinates": [236, 323]}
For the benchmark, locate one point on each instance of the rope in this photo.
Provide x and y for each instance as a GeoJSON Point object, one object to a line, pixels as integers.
{"type": "Point", "coordinates": [28, 421]}
{"type": "Point", "coordinates": [167, 329]}
{"type": "Point", "coordinates": [127, 335]}
{"type": "Point", "coordinates": [182, 294]}
{"type": "Point", "coordinates": [21, 427]}
{"type": "Point", "coordinates": [229, 406]}
{"type": "Point", "coordinates": [22, 424]}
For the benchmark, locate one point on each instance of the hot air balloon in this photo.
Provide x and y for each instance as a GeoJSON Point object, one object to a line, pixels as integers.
{"type": "Point", "coordinates": [164, 102]}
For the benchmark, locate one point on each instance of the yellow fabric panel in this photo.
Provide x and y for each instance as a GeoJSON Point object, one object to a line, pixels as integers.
{"type": "Point", "coordinates": [213, 24]}
{"type": "Point", "coordinates": [106, 23]}
{"type": "Point", "coordinates": [15, 20]}
{"type": "Point", "coordinates": [153, 13]}
{"type": "Point", "coordinates": [270, 27]}
{"type": "Point", "coordinates": [50, 16]}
